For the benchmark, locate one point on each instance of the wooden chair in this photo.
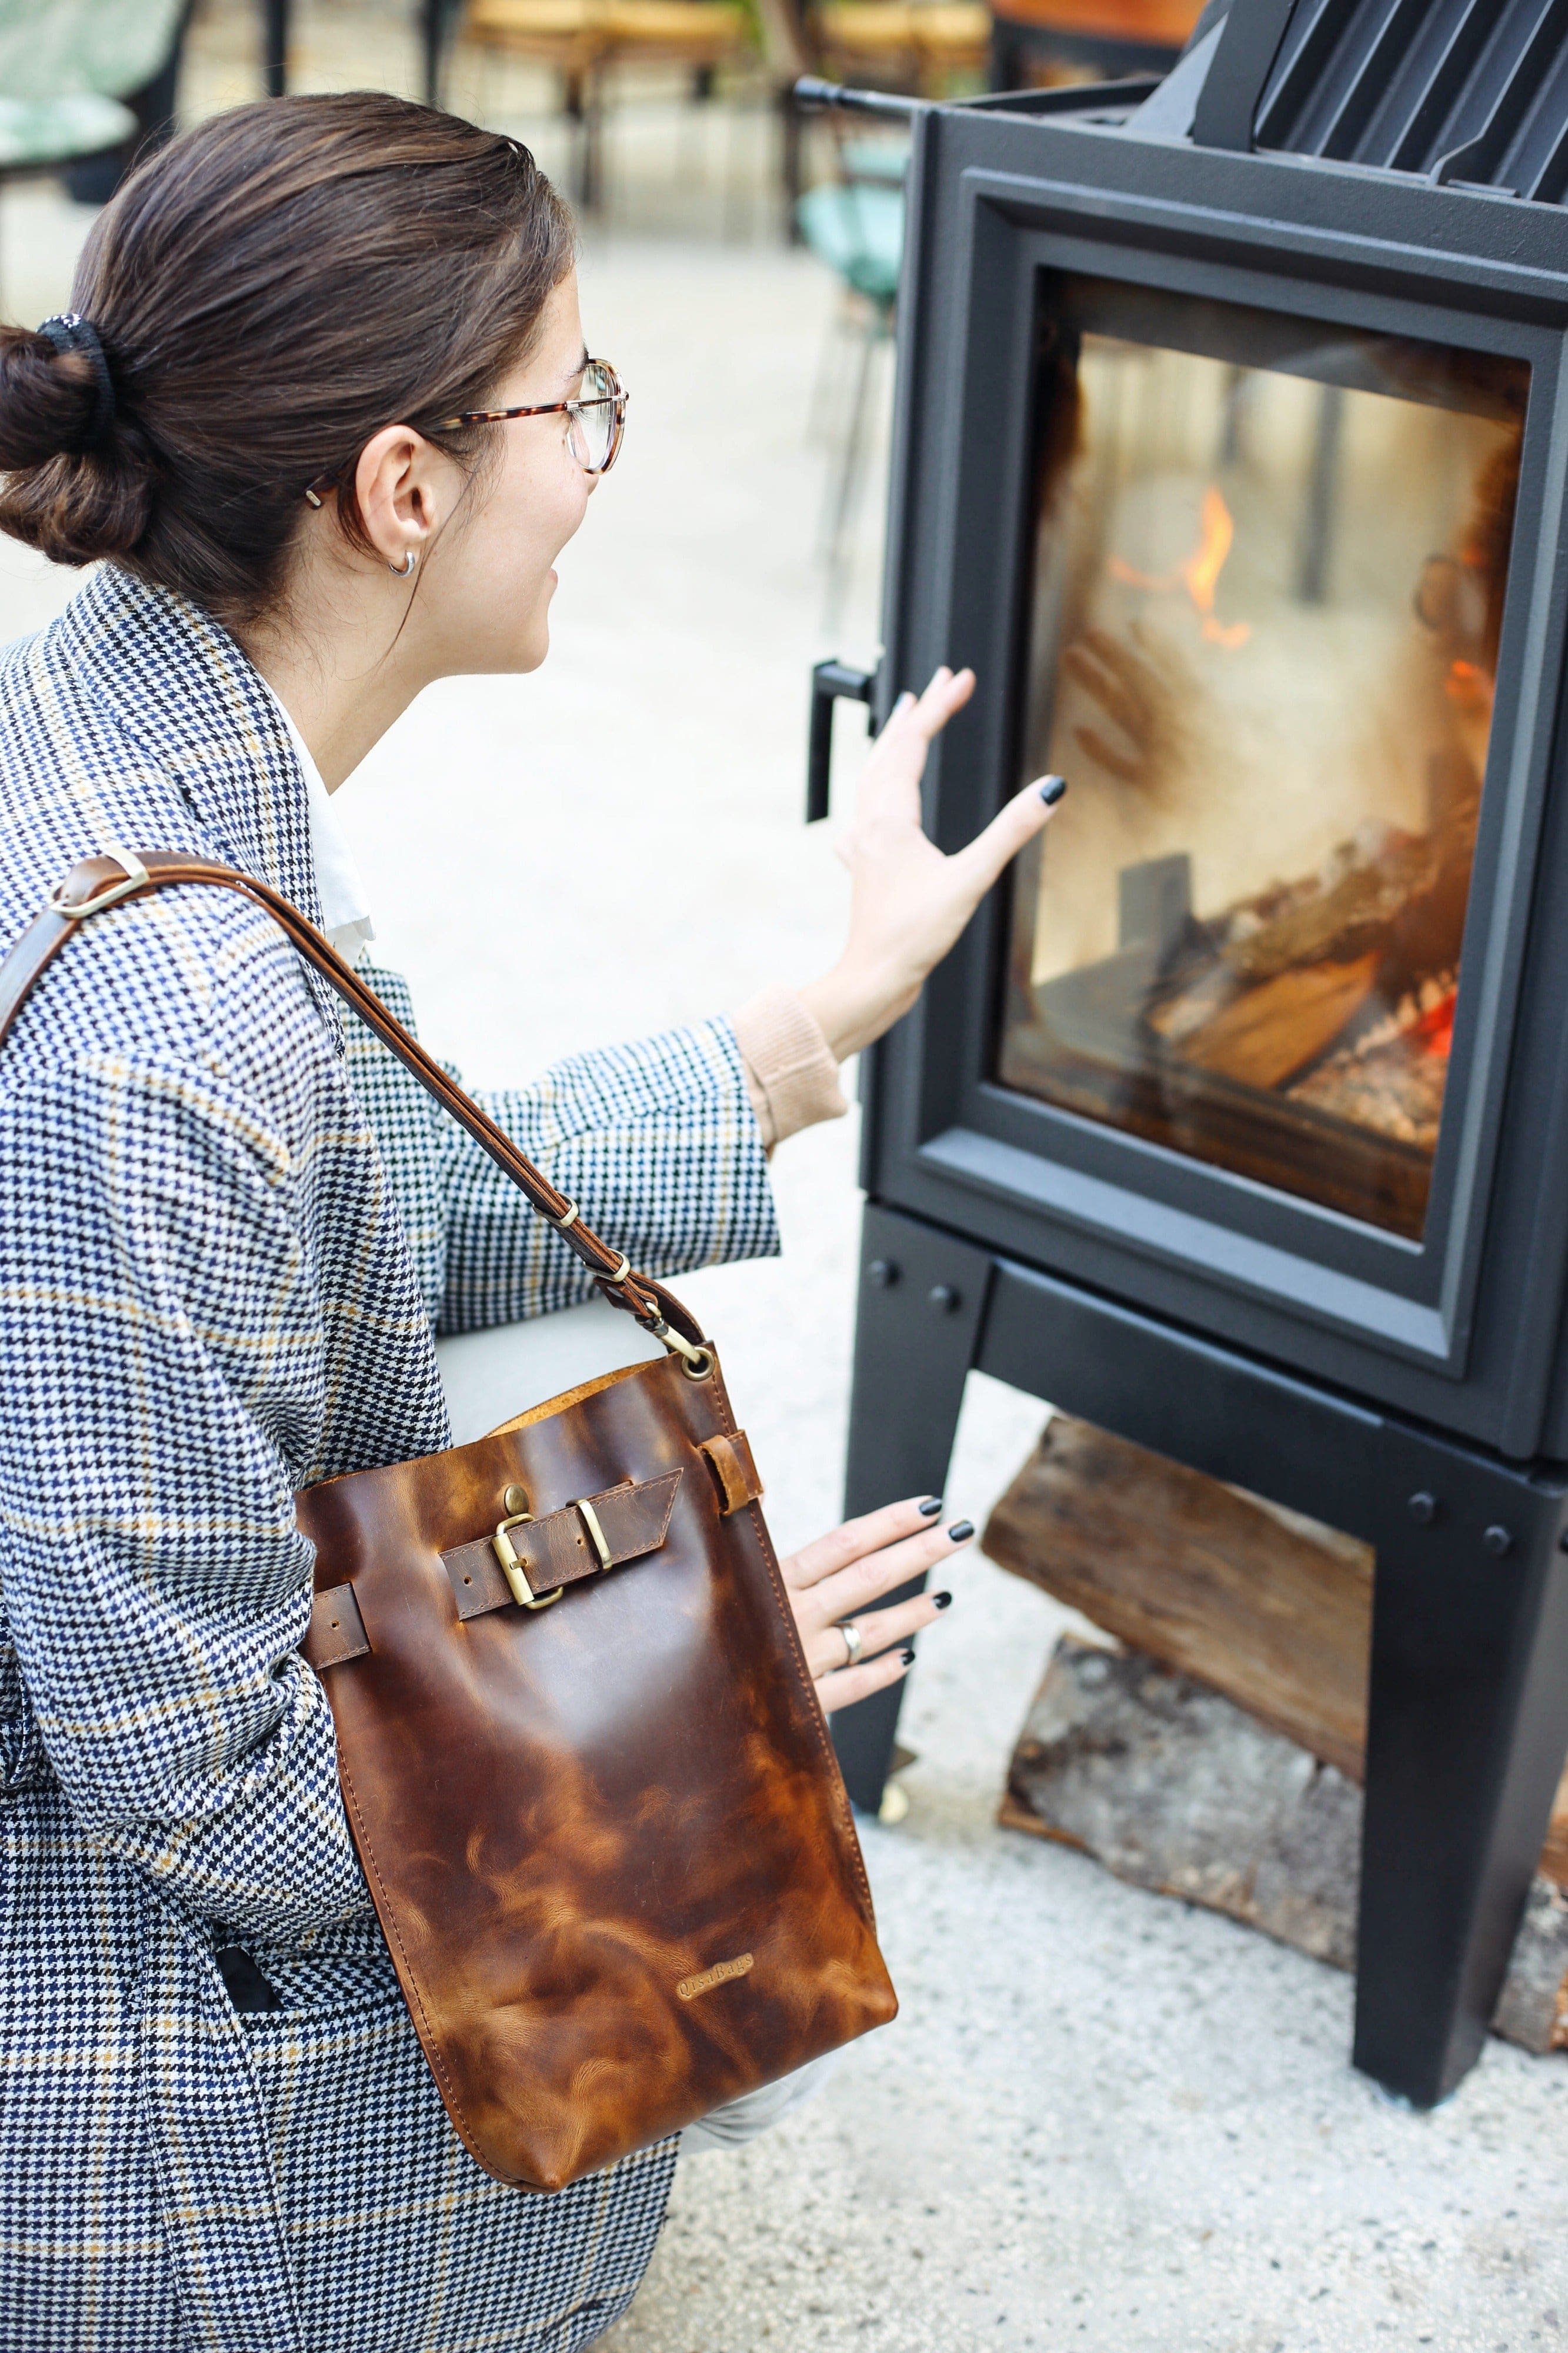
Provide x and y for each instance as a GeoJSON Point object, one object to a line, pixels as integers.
{"type": "Point", "coordinates": [1061, 40]}
{"type": "Point", "coordinates": [916, 44]}
{"type": "Point", "coordinates": [904, 45]}
{"type": "Point", "coordinates": [584, 39]}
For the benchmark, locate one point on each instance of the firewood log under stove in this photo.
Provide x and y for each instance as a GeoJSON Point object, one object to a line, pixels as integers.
{"type": "Point", "coordinates": [1268, 1608]}
{"type": "Point", "coordinates": [1177, 1790]}
{"type": "Point", "coordinates": [1216, 1755]}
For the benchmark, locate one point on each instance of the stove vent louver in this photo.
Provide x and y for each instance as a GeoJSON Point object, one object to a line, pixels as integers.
{"type": "Point", "coordinates": [1471, 93]}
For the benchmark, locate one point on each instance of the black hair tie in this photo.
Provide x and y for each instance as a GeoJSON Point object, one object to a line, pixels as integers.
{"type": "Point", "coordinates": [69, 333]}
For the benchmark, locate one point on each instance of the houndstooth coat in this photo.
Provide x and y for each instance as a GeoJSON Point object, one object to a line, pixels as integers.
{"type": "Point", "coordinates": [229, 1224]}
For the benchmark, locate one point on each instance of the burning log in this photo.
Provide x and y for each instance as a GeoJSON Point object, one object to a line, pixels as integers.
{"type": "Point", "coordinates": [1270, 1610]}
{"type": "Point", "coordinates": [1353, 916]}
{"type": "Point", "coordinates": [1265, 1036]}
{"type": "Point", "coordinates": [1175, 1790]}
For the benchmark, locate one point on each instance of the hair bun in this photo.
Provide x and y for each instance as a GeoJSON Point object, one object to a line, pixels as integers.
{"type": "Point", "coordinates": [80, 484]}
{"type": "Point", "coordinates": [49, 398]}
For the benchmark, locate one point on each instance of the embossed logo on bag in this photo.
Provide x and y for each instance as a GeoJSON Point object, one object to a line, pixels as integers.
{"type": "Point", "coordinates": [689, 1987]}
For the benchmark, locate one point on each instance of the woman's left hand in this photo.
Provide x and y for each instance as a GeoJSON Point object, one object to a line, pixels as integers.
{"type": "Point", "coordinates": [907, 901]}
{"type": "Point", "coordinates": [832, 1581]}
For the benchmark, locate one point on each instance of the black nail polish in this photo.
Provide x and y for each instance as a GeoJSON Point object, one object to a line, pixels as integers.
{"type": "Point", "coordinates": [940, 1600]}
{"type": "Point", "coordinates": [908, 1657]}
{"type": "Point", "coordinates": [961, 1531]}
{"type": "Point", "coordinates": [930, 1507]}
{"type": "Point", "coordinates": [1052, 790]}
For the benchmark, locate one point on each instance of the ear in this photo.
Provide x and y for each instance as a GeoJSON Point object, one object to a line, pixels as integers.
{"type": "Point", "coordinates": [400, 482]}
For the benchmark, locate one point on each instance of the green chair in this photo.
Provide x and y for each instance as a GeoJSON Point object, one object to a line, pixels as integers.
{"type": "Point", "coordinates": [54, 50]}
{"type": "Point", "coordinates": [66, 66]}
{"type": "Point", "coordinates": [855, 224]}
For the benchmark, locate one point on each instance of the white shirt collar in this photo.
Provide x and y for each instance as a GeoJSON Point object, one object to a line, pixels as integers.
{"type": "Point", "coordinates": [346, 917]}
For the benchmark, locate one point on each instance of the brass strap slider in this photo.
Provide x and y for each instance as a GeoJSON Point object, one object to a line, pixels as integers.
{"type": "Point", "coordinates": [136, 879]}
{"type": "Point", "coordinates": [590, 1519]}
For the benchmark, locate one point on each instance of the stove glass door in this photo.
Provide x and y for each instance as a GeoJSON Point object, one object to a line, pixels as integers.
{"type": "Point", "coordinates": [1267, 590]}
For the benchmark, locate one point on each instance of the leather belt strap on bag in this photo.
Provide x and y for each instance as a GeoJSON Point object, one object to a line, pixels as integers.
{"type": "Point", "coordinates": [544, 1555]}
{"type": "Point", "coordinates": [336, 1631]}
{"type": "Point", "coordinates": [581, 1539]}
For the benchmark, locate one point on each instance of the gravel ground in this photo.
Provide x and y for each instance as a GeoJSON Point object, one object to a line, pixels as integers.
{"type": "Point", "coordinates": [1101, 2120]}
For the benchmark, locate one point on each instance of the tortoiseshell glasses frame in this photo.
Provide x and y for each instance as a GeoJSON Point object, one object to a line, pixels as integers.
{"type": "Point", "coordinates": [598, 416]}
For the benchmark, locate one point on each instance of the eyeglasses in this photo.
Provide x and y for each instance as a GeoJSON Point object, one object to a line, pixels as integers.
{"type": "Point", "coordinates": [598, 417]}
{"type": "Point", "coordinates": [598, 421]}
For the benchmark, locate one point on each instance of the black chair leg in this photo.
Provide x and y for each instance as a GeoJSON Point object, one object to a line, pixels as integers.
{"type": "Point", "coordinates": [275, 18]}
{"type": "Point", "coordinates": [790, 163]}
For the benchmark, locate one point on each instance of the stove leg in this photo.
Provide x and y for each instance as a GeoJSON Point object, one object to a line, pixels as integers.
{"type": "Point", "coordinates": [1468, 1728]}
{"type": "Point", "coordinates": [923, 1296]}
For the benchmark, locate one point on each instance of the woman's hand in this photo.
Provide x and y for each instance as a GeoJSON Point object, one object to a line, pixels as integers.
{"type": "Point", "coordinates": [833, 1580]}
{"type": "Point", "coordinates": [907, 902]}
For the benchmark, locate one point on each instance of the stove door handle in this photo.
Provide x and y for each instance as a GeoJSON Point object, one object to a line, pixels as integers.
{"type": "Point", "coordinates": [829, 681]}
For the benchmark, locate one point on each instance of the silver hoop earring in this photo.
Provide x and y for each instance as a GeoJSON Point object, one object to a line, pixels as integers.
{"type": "Point", "coordinates": [404, 571]}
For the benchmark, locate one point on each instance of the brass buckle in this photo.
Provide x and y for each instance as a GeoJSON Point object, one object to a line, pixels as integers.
{"type": "Point", "coordinates": [511, 1568]}
{"type": "Point", "coordinates": [136, 879]}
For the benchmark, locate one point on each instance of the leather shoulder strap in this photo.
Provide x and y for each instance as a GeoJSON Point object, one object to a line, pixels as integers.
{"type": "Point", "coordinates": [103, 882]}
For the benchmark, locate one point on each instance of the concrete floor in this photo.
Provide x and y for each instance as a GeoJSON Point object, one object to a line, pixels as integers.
{"type": "Point", "coordinates": [1101, 2121]}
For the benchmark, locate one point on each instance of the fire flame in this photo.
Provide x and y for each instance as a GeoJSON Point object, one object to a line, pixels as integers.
{"type": "Point", "coordinates": [1434, 1033]}
{"type": "Point", "coordinates": [1200, 574]}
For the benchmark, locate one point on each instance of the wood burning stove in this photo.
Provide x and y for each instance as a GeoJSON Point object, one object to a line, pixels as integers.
{"type": "Point", "coordinates": [1231, 444]}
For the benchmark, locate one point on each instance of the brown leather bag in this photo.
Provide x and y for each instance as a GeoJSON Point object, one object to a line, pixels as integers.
{"type": "Point", "coordinates": [585, 1770]}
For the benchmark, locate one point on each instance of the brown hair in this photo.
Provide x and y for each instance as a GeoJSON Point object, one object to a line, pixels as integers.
{"type": "Point", "coordinates": [269, 291]}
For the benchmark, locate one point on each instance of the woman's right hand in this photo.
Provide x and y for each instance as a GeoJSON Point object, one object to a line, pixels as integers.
{"type": "Point", "coordinates": [833, 1580]}
{"type": "Point", "coordinates": [909, 902]}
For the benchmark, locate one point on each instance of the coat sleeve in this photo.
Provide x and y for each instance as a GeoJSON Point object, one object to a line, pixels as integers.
{"type": "Point", "coordinates": [657, 1142]}
{"type": "Point", "coordinates": [162, 1339]}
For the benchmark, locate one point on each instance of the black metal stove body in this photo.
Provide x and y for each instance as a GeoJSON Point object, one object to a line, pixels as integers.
{"type": "Point", "coordinates": [1364, 1328]}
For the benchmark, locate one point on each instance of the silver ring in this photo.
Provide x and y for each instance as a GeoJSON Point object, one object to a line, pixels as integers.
{"type": "Point", "coordinates": [852, 1642]}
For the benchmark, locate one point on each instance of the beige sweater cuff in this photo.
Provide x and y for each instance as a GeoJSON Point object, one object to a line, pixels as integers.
{"type": "Point", "coordinates": [790, 1075]}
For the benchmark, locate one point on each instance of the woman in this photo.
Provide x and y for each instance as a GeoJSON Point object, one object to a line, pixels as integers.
{"type": "Point", "coordinates": [231, 1224]}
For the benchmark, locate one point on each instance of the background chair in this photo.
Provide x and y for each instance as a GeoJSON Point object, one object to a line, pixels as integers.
{"type": "Point", "coordinates": [1063, 40]}
{"type": "Point", "coordinates": [918, 46]}
{"type": "Point", "coordinates": [855, 223]}
{"type": "Point", "coordinates": [925, 46]}
{"type": "Point", "coordinates": [585, 40]}
{"type": "Point", "coordinates": [66, 69]}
